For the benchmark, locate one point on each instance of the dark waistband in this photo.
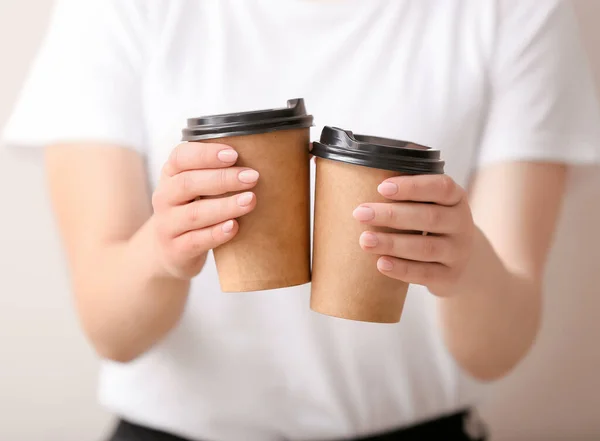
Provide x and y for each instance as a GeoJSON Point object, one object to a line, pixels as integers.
{"type": "Point", "coordinates": [461, 426]}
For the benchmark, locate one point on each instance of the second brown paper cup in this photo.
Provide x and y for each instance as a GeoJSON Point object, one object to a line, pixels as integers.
{"type": "Point", "coordinates": [272, 247]}
{"type": "Point", "coordinates": [345, 280]}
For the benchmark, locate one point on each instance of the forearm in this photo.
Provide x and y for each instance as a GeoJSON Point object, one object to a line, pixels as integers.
{"type": "Point", "coordinates": [133, 253]}
{"type": "Point", "coordinates": [492, 317]}
{"type": "Point", "coordinates": [125, 301]}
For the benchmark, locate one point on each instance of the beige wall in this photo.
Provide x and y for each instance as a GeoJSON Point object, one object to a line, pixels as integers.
{"type": "Point", "coordinates": [47, 373]}
{"type": "Point", "coordinates": [555, 393]}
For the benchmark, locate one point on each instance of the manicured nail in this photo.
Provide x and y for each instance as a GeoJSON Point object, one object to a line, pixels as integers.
{"type": "Point", "coordinates": [385, 264]}
{"type": "Point", "coordinates": [368, 239]}
{"type": "Point", "coordinates": [227, 227]}
{"type": "Point", "coordinates": [363, 214]}
{"type": "Point", "coordinates": [387, 188]}
{"type": "Point", "coordinates": [227, 155]}
{"type": "Point", "coordinates": [248, 176]}
{"type": "Point", "coordinates": [245, 199]}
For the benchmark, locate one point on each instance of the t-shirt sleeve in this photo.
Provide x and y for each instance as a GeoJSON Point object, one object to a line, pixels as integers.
{"type": "Point", "coordinates": [86, 80]}
{"type": "Point", "coordinates": [543, 104]}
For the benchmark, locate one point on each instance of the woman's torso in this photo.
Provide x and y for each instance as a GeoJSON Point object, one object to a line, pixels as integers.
{"type": "Point", "coordinates": [262, 366]}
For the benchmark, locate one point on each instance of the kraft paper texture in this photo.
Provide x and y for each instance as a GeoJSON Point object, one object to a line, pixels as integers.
{"type": "Point", "coordinates": [345, 279]}
{"type": "Point", "coordinates": [272, 247]}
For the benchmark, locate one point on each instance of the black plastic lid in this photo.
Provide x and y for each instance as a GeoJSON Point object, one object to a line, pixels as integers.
{"type": "Point", "coordinates": [372, 151]}
{"type": "Point", "coordinates": [248, 123]}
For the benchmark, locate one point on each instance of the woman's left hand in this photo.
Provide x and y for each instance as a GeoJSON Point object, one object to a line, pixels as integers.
{"type": "Point", "coordinates": [434, 204]}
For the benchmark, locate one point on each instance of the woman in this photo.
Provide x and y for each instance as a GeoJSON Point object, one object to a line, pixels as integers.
{"type": "Point", "coordinates": [501, 87]}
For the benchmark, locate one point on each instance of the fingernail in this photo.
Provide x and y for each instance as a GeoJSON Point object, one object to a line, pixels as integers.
{"type": "Point", "coordinates": [385, 264]}
{"type": "Point", "coordinates": [227, 155]}
{"type": "Point", "coordinates": [387, 188]}
{"type": "Point", "coordinates": [245, 199]}
{"type": "Point", "coordinates": [248, 176]}
{"type": "Point", "coordinates": [368, 239]}
{"type": "Point", "coordinates": [227, 227]}
{"type": "Point", "coordinates": [363, 214]}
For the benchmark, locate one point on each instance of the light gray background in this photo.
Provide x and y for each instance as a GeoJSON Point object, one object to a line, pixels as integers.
{"type": "Point", "coordinates": [48, 373]}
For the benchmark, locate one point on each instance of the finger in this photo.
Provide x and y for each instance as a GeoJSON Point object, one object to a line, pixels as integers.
{"type": "Point", "coordinates": [198, 156]}
{"type": "Point", "coordinates": [197, 242]}
{"type": "Point", "coordinates": [409, 246]}
{"type": "Point", "coordinates": [419, 273]}
{"type": "Point", "coordinates": [412, 216]}
{"type": "Point", "coordinates": [207, 212]}
{"type": "Point", "coordinates": [439, 189]}
{"type": "Point", "coordinates": [188, 185]}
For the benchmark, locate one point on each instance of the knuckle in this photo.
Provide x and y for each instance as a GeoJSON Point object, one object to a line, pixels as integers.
{"type": "Point", "coordinates": [447, 186]}
{"type": "Point", "coordinates": [185, 184]}
{"type": "Point", "coordinates": [412, 188]}
{"type": "Point", "coordinates": [203, 154]}
{"type": "Point", "coordinates": [390, 213]}
{"type": "Point", "coordinates": [433, 216]}
{"type": "Point", "coordinates": [176, 158]}
{"type": "Point", "coordinates": [181, 186]}
{"type": "Point", "coordinates": [222, 179]}
{"type": "Point", "coordinates": [193, 213]}
{"type": "Point", "coordinates": [430, 247]}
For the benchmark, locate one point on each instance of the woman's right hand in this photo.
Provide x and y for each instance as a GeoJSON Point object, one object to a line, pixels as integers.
{"type": "Point", "coordinates": [187, 225]}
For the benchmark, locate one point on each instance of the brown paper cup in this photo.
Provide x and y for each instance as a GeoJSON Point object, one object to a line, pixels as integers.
{"type": "Point", "coordinates": [272, 247]}
{"type": "Point", "coordinates": [345, 280]}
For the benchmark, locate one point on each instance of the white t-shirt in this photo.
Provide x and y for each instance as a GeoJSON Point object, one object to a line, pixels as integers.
{"type": "Point", "coordinates": [482, 80]}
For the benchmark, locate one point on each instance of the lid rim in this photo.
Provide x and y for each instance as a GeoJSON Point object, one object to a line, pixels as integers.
{"type": "Point", "coordinates": [247, 123]}
{"type": "Point", "coordinates": [376, 152]}
{"type": "Point", "coordinates": [231, 133]}
{"type": "Point", "coordinates": [295, 107]}
{"type": "Point", "coordinates": [206, 128]}
{"type": "Point", "coordinates": [406, 170]}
